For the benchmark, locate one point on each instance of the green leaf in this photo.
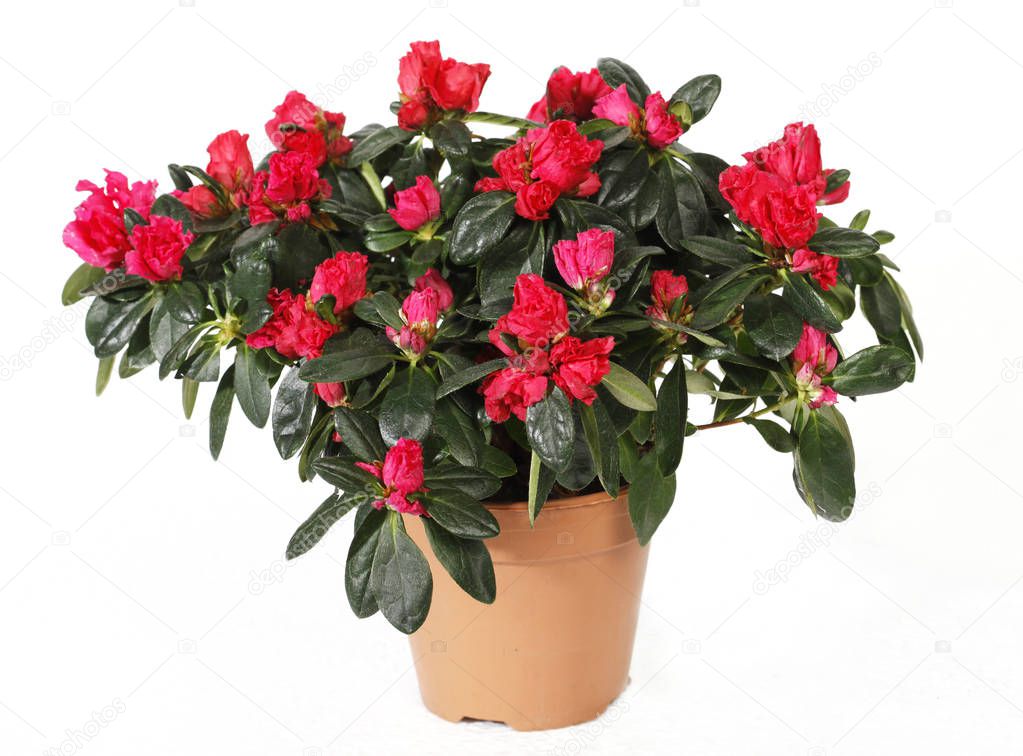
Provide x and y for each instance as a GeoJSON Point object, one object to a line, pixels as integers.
{"type": "Point", "coordinates": [777, 437]}
{"type": "Point", "coordinates": [109, 324]}
{"type": "Point", "coordinates": [718, 306]}
{"type": "Point", "coordinates": [292, 414]}
{"type": "Point", "coordinates": [882, 308]}
{"type": "Point", "coordinates": [621, 177]}
{"type": "Point", "coordinates": [650, 497]}
{"type": "Point", "coordinates": [461, 433]}
{"type": "Point", "coordinates": [603, 443]}
{"type": "Point", "coordinates": [377, 143]}
{"type": "Point", "coordinates": [551, 431]}
{"type": "Point", "coordinates": [359, 563]}
{"type": "Point", "coordinates": [859, 221]}
{"type": "Point", "coordinates": [628, 389]}
{"type": "Point", "coordinates": [469, 375]}
{"type": "Point", "coordinates": [400, 577]}
{"type": "Point", "coordinates": [872, 371]}
{"type": "Point", "coordinates": [310, 532]}
{"type": "Point", "coordinates": [189, 393]}
{"type": "Point", "coordinates": [460, 514]}
{"type": "Point", "coordinates": [466, 560]}
{"type": "Point", "coordinates": [103, 372]}
{"type": "Point", "coordinates": [342, 472]}
{"type": "Point", "coordinates": [682, 209]}
{"type": "Point", "coordinates": [251, 387]}
{"type": "Point", "coordinates": [670, 420]}
{"type": "Point", "coordinates": [185, 302]}
{"type": "Point", "coordinates": [85, 276]}
{"type": "Point", "coordinates": [807, 301]}
{"type": "Point", "coordinates": [773, 326]}
{"type": "Point", "coordinates": [541, 481]}
{"type": "Point", "coordinates": [360, 432]}
{"type": "Point", "coordinates": [718, 251]}
{"type": "Point", "coordinates": [479, 225]}
{"type": "Point", "coordinates": [616, 72]}
{"type": "Point", "coordinates": [348, 364]}
{"type": "Point", "coordinates": [220, 411]}
{"type": "Point", "coordinates": [824, 468]}
{"type": "Point", "coordinates": [407, 408]}
{"type": "Point", "coordinates": [843, 242]}
{"type": "Point", "coordinates": [473, 481]}
{"type": "Point", "coordinates": [498, 462]}
{"type": "Point", "coordinates": [380, 308]}
{"type": "Point", "coordinates": [700, 93]}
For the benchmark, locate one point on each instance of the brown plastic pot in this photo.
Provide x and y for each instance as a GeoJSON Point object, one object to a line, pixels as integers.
{"type": "Point", "coordinates": [554, 648]}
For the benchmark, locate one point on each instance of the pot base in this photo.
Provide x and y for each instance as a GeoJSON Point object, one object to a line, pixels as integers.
{"type": "Point", "coordinates": [554, 649]}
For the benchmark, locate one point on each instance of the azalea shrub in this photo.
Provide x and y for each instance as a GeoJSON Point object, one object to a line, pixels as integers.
{"type": "Point", "coordinates": [464, 308]}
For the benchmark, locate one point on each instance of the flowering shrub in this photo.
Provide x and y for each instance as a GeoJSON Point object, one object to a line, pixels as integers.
{"type": "Point", "coordinates": [431, 319]}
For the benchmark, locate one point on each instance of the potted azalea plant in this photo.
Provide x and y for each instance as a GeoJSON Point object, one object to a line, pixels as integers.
{"type": "Point", "coordinates": [485, 345]}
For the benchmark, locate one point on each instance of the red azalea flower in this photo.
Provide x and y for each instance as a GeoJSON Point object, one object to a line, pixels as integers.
{"type": "Point", "coordinates": [286, 189]}
{"type": "Point", "coordinates": [420, 311]}
{"type": "Point", "coordinates": [570, 96]}
{"type": "Point", "coordinates": [416, 206]}
{"type": "Point", "coordinates": [294, 329]}
{"type": "Point", "coordinates": [652, 123]}
{"type": "Point", "coordinates": [430, 84]}
{"type": "Point", "coordinates": [814, 357]}
{"type": "Point", "coordinates": [823, 268]}
{"type": "Point", "coordinates": [796, 159]}
{"type": "Point", "coordinates": [333, 394]}
{"type": "Point", "coordinates": [539, 315]}
{"type": "Point", "coordinates": [343, 277]}
{"type": "Point", "coordinates": [97, 234]}
{"type": "Point", "coordinates": [783, 213]}
{"type": "Point", "coordinates": [300, 126]}
{"type": "Point", "coordinates": [585, 262]}
{"type": "Point", "coordinates": [546, 163]}
{"type": "Point", "coordinates": [581, 365]}
{"type": "Point", "coordinates": [157, 249]}
{"type": "Point", "coordinates": [401, 475]}
{"type": "Point", "coordinates": [431, 279]}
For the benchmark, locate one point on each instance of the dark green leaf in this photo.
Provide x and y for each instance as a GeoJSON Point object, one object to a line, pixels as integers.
{"type": "Point", "coordinates": [479, 225]}
{"type": "Point", "coordinates": [359, 563]}
{"type": "Point", "coordinates": [103, 372]}
{"type": "Point", "coordinates": [400, 577]}
{"type": "Point", "coordinates": [466, 560]}
{"type": "Point", "coordinates": [650, 497]}
{"type": "Point", "coordinates": [843, 242]}
{"type": "Point", "coordinates": [616, 72]}
{"type": "Point", "coordinates": [460, 514]}
{"type": "Point", "coordinates": [551, 431]}
{"type": "Point", "coordinates": [682, 210]}
{"type": "Point", "coordinates": [109, 324]}
{"type": "Point", "coordinates": [628, 389]}
{"type": "Point", "coordinates": [824, 468]}
{"type": "Point", "coordinates": [85, 275]}
{"type": "Point", "coordinates": [670, 420]}
{"type": "Point", "coordinates": [872, 371]}
{"type": "Point", "coordinates": [718, 306]}
{"type": "Point", "coordinates": [469, 375]}
{"type": "Point", "coordinates": [700, 93]}
{"type": "Point", "coordinates": [806, 300]}
{"type": "Point", "coordinates": [360, 433]}
{"type": "Point", "coordinates": [603, 443]}
{"type": "Point", "coordinates": [407, 408]}
{"type": "Point", "coordinates": [310, 532]}
{"type": "Point", "coordinates": [378, 143]}
{"type": "Point", "coordinates": [342, 472]}
{"type": "Point", "coordinates": [461, 433]}
{"type": "Point", "coordinates": [220, 411]}
{"type": "Point", "coordinates": [292, 413]}
{"type": "Point", "coordinates": [718, 250]}
{"type": "Point", "coordinates": [475, 482]}
{"type": "Point", "coordinates": [775, 435]}
{"type": "Point", "coordinates": [251, 387]}
{"type": "Point", "coordinates": [773, 326]}
{"type": "Point", "coordinates": [348, 364]}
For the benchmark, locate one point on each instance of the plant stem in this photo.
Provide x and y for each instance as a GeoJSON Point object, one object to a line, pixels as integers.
{"type": "Point", "coordinates": [680, 155]}
{"type": "Point", "coordinates": [500, 120]}
{"type": "Point", "coordinates": [744, 418]}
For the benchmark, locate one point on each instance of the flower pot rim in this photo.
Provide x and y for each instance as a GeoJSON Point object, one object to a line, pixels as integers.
{"type": "Point", "coordinates": [569, 502]}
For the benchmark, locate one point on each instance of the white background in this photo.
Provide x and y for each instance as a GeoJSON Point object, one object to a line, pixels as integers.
{"type": "Point", "coordinates": [139, 577]}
